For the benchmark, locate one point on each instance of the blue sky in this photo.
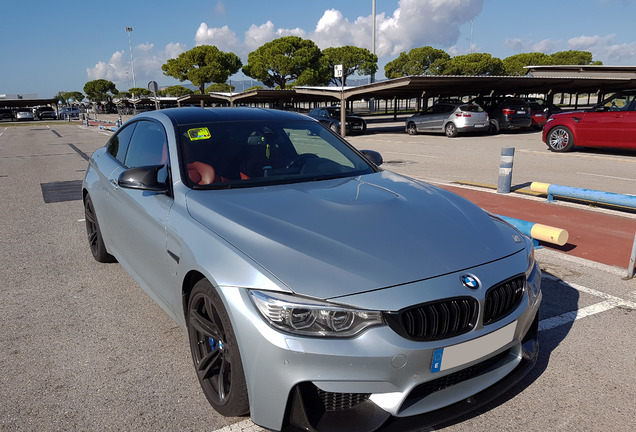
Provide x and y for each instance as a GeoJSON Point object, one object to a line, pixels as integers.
{"type": "Point", "coordinates": [50, 46]}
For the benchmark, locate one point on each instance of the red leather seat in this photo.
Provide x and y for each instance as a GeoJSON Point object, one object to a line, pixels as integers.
{"type": "Point", "coordinates": [201, 173]}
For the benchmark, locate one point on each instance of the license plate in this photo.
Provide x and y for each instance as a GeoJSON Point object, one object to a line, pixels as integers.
{"type": "Point", "coordinates": [466, 352]}
{"type": "Point", "coordinates": [521, 112]}
{"type": "Point", "coordinates": [480, 125]}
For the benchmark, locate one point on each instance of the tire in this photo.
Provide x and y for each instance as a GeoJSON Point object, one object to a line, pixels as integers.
{"type": "Point", "coordinates": [95, 240]}
{"type": "Point", "coordinates": [494, 127]}
{"type": "Point", "coordinates": [334, 128]}
{"type": "Point", "coordinates": [560, 139]}
{"type": "Point", "coordinates": [215, 352]}
{"type": "Point", "coordinates": [411, 128]}
{"type": "Point", "coordinates": [451, 130]}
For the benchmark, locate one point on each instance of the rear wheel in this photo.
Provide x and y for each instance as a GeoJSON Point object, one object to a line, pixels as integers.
{"type": "Point", "coordinates": [493, 128]}
{"type": "Point", "coordinates": [411, 128]}
{"type": "Point", "coordinates": [334, 127]}
{"type": "Point", "coordinates": [215, 351]}
{"type": "Point", "coordinates": [95, 240]}
{"type": "Point", "coordinates": [560, 139]}
{"type": "Point", "coordinates": [451, 130]}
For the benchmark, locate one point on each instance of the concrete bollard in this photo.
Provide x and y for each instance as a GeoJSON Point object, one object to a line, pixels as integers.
{"type": "Point", "coordinates": [538, 231]}
{"type": "Point", "coordinates": [505, 169]}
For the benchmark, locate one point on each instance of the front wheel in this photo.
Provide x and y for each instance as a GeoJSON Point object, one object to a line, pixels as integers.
{"type": "Point", "coordinates": [411, 128]}
{"type": "Point", "coordinates": [334, 128]}
{"type": "Point", "coordinates": [451, 130]}
{"type": "Point", "coordinates": [215, 352]}
{"type": "Point", "coordinates": [560, 139]}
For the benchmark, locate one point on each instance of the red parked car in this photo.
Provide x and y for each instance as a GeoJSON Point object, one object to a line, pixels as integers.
{"type": "Point", "coordinates": [611, 123]}
{"type": "Point", "coordinates": [538, 115]}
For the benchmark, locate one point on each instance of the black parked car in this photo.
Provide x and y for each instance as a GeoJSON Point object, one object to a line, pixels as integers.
{"type": "Point", "coordinates": [330, 117]}
{"type": "Point", "coordinates": [6, 114]}
{"type": "Point", "coordinates": [45, 112]}
{"type": "Point", "coordinates": [505, 112]}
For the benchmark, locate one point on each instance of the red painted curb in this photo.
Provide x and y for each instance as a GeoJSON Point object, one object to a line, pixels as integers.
{"type": "Point", "coordinates": [595, 236]}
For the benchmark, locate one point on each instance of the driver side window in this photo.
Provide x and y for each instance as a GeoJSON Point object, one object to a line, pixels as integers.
{"type": "Point", "coordinates": [148, 146]}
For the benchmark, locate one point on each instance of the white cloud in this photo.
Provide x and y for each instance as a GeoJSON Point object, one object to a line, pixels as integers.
{"type": "Point", "coordinates": [414, 23]}
{"type": "Point", "coordinates": [172, 50]}
{"type": "Point", "coordinates": [219, 9]}
{"type": "Point", "coordinates": [221, 37]}
{"type": "Point", "coordinates": [147, 62]}
{"type": "Point", "coordinates": [604, 49]}
{"type": "Point", "coordinates": [144, 47]}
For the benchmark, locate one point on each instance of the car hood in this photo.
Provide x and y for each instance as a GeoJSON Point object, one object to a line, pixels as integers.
{"type": "Point", "coordinates": [339, 237]}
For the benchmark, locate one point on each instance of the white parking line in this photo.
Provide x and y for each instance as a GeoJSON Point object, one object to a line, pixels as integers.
{"type": "Point", "coordinates": [569, 317]}
{"type": "Point", "coordinates": [610, 303]}
{"type": "Point", "coordinates": [606, 176]}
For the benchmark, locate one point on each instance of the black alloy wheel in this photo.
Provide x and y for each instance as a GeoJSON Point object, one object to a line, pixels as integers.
{"type": "Point", "coordinates": [95, 240]}
{"type": "Point", "coordinates": [215, 352]}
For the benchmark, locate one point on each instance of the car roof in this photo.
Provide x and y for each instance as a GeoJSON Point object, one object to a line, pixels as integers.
{"type": "Point", "coordinates": [195, 115]}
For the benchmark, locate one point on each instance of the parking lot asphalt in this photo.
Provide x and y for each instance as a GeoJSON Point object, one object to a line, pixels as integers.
{"type": "Point", "coordinates": [83, 348]}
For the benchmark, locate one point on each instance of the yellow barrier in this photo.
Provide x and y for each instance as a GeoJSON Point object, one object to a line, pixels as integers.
{"type": "Point", "coordinates": [549, 234]}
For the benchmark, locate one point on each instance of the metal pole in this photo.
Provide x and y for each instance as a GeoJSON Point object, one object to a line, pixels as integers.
{"type": "Point", "coordinates": [372, 79]}
{"type": "Point", "coordinates": [132, 63]}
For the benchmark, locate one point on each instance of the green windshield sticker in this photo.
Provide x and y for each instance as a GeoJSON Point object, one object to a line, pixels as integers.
{"type": "Point", "coordinates": [199, 134]}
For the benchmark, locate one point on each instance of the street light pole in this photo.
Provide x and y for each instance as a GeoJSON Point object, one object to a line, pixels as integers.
{"type": "Point", "coordinates": [132, 63]}
{"type": "Point", "coordinates": [372, 100]}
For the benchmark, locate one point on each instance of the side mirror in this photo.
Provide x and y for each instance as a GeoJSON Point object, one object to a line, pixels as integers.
{"type": "Point", "coordinates": [143, 178]}
{"type": "Point", "coordinates": [373, 157]}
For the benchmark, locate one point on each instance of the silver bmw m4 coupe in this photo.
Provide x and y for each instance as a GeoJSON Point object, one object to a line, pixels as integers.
{"type": "Point", "coordinates": [318, 291]}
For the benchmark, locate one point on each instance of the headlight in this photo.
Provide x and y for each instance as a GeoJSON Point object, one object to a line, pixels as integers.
{"type": "Point", "coordinates": [533, 282]}
{"type": "Point", "coordinates": [530, 252]}
{"type": "Point", "coordinates": [312, 318]}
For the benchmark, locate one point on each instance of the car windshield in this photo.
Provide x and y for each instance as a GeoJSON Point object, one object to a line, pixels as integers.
{"type": "Point", "coordinates": [257, 153]}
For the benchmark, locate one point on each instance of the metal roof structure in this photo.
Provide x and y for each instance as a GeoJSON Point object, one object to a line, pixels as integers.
{"type": "Point", "coordinates": [541, 79]}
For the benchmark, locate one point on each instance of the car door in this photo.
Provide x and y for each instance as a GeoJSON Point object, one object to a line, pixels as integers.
{"type": "Point", "coordinates": [628, 125]}
{"type": "Point", "coordinates": [138, 218]}
{"type": "Point", "coordinates": [606, 124]}
{"type": "Point", "coordinates": [438, 119]}
{"type": "Point", "coordinates": [425, 119]}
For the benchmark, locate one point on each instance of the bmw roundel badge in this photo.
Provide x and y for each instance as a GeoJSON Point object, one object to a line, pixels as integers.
{"type": "Point", "coordinates": [469, 281]}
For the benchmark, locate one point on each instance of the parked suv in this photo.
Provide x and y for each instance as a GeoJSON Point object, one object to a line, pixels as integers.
{"type": "Point", "coordinates": [610, 123]}
{"type": "Point", "coordinates": [449, 118]}
{"type": "Point", "coordinates": [70, 112]}
{"type": "Point", "coordinates": [505, 112]}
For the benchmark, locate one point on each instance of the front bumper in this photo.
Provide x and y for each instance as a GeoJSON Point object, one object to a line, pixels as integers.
{"type": "Point", "coordinates": [336, 384]}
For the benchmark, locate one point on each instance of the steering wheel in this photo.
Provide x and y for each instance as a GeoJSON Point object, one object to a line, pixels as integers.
{"type": "Point", "coordinates": [300, 159]}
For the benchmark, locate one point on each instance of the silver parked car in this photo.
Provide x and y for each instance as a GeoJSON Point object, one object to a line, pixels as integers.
{"type": "Point", "coordinates": [317, 290]}
{"type": "Point", "coordinates": [23, 114]}
{"type": "Point", "coordinates": [450, 118]}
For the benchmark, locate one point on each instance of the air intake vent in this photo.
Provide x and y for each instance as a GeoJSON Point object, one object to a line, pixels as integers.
{"type": "Point", "coordinates": [435, 320]}
{"type": "Point", "coordinates": [504, 298]}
